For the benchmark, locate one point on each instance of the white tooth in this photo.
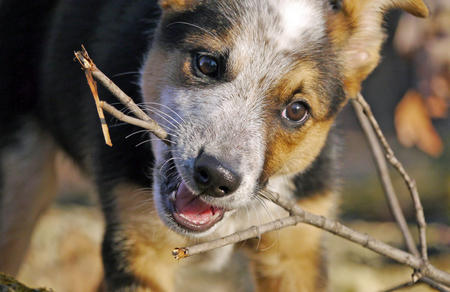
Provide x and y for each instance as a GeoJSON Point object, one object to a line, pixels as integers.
{"type": "Point", "coordinates": [173, 196]}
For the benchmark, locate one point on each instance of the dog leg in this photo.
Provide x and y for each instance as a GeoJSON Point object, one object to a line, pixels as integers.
{"type": "Point", "coordinates": [27, 186]}
{"type": "Point", "coordinates": [137, 245]}
{"type": "Point", "coordinates": [292, 259]}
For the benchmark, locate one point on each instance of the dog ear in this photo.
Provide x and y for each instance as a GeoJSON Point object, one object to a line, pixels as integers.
{"type": "Point", "coordinates": [176, 5]}
{"type": "Point", "coordinates": [356, 30]}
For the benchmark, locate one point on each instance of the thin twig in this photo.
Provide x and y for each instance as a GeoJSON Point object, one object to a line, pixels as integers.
{"type": "Point", "coordinates": [87, 63]}
{"type": "Point", "coordinates": [389, 191]}
{"type": "Point", "coordinates": [386, 181]}
{"type": "Point", "coordinates": [125, 118]}
{"type": "Point", "coordinates": [424, 271]}
{"type": "Point", "coordinates": [401, 286]}
{"type": "Point", "coordinates": [332, 226]}
{"type": "Point", "coordinates": [252, 232]}
{"type": "Point", "coordinates": [424, 280]}
{"type": "Point", "coordinates": [411, 184]}
{"type": "Point", "coordinates": [433, 284]}
{"type": "Point", "coordinates": [89, 66]}
{"type": "Point", "coordinates": [415, 262]}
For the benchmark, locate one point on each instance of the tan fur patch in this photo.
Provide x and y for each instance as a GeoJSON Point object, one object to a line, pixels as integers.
{"type": "Point", "coordinates": [291, 259]}
{"type": "Point", "coordinates": [176, 5]}
{"type": "Point", "coordinates": [357, 32]}
{"type": "Point", "coordinates": [292, 150]}
{"type": "Point", "coordinates": [301, 83]}
{"type": "Point", "coordinates": [148, 241]}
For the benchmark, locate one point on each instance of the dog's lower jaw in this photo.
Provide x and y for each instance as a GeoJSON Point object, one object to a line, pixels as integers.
{"type": "Point", "coordinates": [166, 209]}
{"type": "Point", "coordinates": [166, 214]}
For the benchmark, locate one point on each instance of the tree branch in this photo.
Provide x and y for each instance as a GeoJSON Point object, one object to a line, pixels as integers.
{"type": "Point", "coordinates": [424, 280]}
{"type": "Point", "coordinates": [433, 284]}
{"type": "Point", "coordinates": [424, 271]}
{"type": "Point", "coordinates": [301, 216]}
{"type": "Point", "coordinates": [411, 184]}
{"type": "Point", "coordinates": [89, 67]}
{"type": "Point", "coordinates": [424, 268]}
{"type": "Point", "coordinates": [87, 64]}
{"type": "Point", "coordinates": [130, 120]}
{"type": "Point", "coordinates": [386, 181]}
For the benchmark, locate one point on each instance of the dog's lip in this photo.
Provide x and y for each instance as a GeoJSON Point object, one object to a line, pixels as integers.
{"type": "Point", "coordinates": [186, 219]}
{"type": "Point", "coordinates": [191, 212]}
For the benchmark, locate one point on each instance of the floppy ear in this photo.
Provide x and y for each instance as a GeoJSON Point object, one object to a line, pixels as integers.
{"type": "Point", "coordinates": [176, 5]}
{"type": "Point", "coordinates": [356, 30]}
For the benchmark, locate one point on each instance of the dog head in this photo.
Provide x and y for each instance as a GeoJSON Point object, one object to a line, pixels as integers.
{"type": "Point", "coordinates": [249, 90]}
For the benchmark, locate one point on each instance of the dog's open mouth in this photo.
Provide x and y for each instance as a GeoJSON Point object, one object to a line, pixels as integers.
{"type": "Point", "coordinates": [187, 209]}
{"type": "Point", "coordinates": [191, 212]}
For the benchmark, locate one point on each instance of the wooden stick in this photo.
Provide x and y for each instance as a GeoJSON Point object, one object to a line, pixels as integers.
{"type": "Point", "coordinates": [411, 184]}
{"type": "Point", "coordinates": [402, 286]}
{"type": "Point", "coordinates": [332, 226]}
{"type": "Point", "coordinates": [128, 119]}
{"type": "Point", "coordinates": [424, 280]}
{"type": "Point", "coordinates": [86, 64]}
{"type": "Point", "coordinates": [415, 262]}
{"type": "Point", "coordinates": [433, 284]}
{"type": "Point", "coordinates": [425, 272]}
{"type": "Point", "coordinates": [89, 66]}
{"type": "Point", "coordinates": [386, 181]}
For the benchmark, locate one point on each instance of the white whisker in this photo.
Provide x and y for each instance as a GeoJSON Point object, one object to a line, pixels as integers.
{"type": "Point", "coordinates": [166, 107]}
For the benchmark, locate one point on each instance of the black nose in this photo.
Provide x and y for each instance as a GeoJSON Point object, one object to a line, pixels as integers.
{"type": "Point", "coordinates": [213, 177]}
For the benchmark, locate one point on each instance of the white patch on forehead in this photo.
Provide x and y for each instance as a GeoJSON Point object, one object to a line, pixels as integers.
{"type": "Point", "coordinates": [301, 20]}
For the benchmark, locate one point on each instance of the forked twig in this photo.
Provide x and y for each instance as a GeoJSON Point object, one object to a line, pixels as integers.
{"type": "Point", "coordinates": [87, 64]}
{"type": "Point", "coordinates": [425, 272]}
{"type": "Point", "coordinates": [423, 280]}
{"type": "Point", "coordinates": [411, 184]}
{"type": "Point", "coordinates": [90, 70]}
{"type": "Point", "coordinates": [301, 216]}
{"type": "Point", "coordinates": [386, 181]}
{"type": "Point", "coordinates": [128, 119]}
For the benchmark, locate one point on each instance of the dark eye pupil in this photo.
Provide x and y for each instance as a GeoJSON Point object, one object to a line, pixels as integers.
{"type": "Point", "coordinates": [208, 66]}
{"type": "Point", "coordinates": [336, 4]}
{"type": "Point", "coordinates": [296, 111]}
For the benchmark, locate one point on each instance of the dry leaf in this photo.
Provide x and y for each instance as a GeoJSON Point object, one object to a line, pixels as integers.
{"type": "Point", "coordinates": [437, 107]}
{"type": "Point", "coordinates": [414, 127]}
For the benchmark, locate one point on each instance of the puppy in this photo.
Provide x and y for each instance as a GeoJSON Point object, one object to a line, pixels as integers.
{"type": "Point", "coordinates": [247, 89]}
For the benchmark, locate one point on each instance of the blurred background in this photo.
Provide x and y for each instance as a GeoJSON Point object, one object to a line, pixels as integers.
{"type": "Point", "coordinates": [409, 93]}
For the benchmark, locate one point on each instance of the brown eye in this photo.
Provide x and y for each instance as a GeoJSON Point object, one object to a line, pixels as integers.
{"type": "Point", "coordinates": [336, 4]}
{"type": "Point", "coordinates": [207, 65]}
{"type": "Point", "coordinates": [296, 112]}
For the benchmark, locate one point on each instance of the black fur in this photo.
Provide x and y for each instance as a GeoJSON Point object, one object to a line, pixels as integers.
{"type": "Point", "coordinates": [44, 83]}
{"type": "Point", "coordinates": [336, 4]}
{"type": "Point", "coordinates": [22, 29]}
{"type": "Point", "coordinates": [114, 254]}
{"type": "Point", "coordinates": [321, 175]}
{"type": "Point", "coordinates": [176, 31]}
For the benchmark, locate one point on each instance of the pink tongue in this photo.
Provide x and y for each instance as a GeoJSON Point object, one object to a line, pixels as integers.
{"type": "Point", "coordinates": [191, 207]}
